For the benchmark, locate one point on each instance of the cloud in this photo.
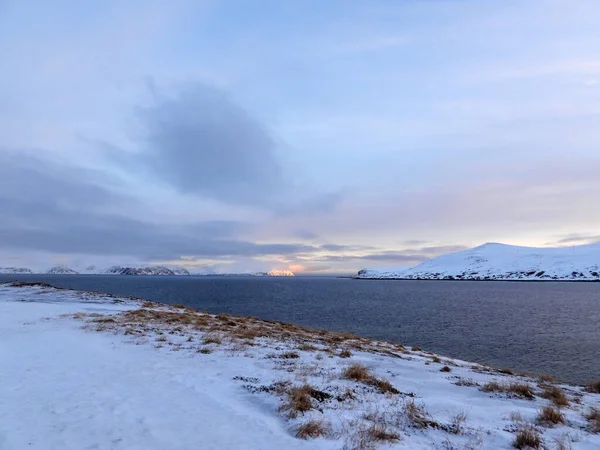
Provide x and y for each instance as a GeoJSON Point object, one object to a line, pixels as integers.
{"type": "Point", "coordinates": [197, 141]}
{"type": "Point", "coordinates": [200, 142]}
{"type": "Point", "coordinates": [60, 209]}
{"type": "Point", "coordinates": [579, 239]}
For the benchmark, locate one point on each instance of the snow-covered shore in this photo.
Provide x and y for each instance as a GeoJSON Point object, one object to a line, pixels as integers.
{"type": "Point", "coordinates": [83, 370]}
{"type": "Point", "coordinates": [494, 261]}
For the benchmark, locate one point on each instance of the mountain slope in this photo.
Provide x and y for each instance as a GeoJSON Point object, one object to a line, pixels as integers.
{"type": "Point", "coordinates": [14, 270]}
{"type": "Point", "coordinates": [504, 262]}
{"type": "Point", "coordinates": [62, 270]}
{"type": "Point", "coordinates": [148, 270]}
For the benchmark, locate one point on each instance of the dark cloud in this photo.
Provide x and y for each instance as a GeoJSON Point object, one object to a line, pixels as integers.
{"type": "Point", "coordinates": [60, 209]}
{"type": "Point", "coordinates": [579, 239]}
{"type": "Point", "coordinates": [389, 256]}
{"type": "Point", "coordinates": [412, 256]}
{"type": "Point", "coordinates": [441, 249]}
{"type": "Point", "coordinates": [200, 142]}
{"type": "Point", "coordinates": [345, 248]}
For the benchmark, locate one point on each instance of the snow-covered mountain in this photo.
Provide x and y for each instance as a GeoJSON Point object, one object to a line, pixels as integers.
{"type": "Point", "coordinates": [14, 270]}
{"type": "Point", "coordinates": [503, 262]}
{"type": "Point", "coordinates": [273, 273]}
{"type": "Point", "coordinates": [62, 270]}
{"type": "Point", "coordinates": [147, 270]}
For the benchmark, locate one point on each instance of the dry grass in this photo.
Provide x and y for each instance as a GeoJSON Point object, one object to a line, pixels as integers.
{"type": "Point", "coordinates": [550, 416]}
{"type": "Point", "coordinates": [466, 382]}
{"type": "Point", "coordinates": [492, 386]}
{"type": "Point", "coordinates": [345, 353]}
{"type": "Point", "coordinates": [523, 390]}
{"type": "Point", "coordinates": [516, 416]}
{"type": "Point", "coordinates": [593, 418]}
{"type": "Point", "coordinates": [212, 338]}
{"type": "Point", "coordinates": [307, 347]}
{"type": "Point", "coordinates": [594, 387]}
{"type": "Point", "coordinates": [416, 414]}
{"type": "Point", "coordinates": [361, 374]}
{"type": "Point", "coordinates": [555, 394]}
{"type": "Point", "coordinates": [445, 369]}
{"type": "Point", "coordinates": [562, 443]}
{"type": "Point", "coordinates": [297, 401]}
{"type": "Point", "coordinates": [457, 423]}
{"type": "Point", "coordinates": [527, 437]}
{"type": "Point", "coordinates": [357, 372]}
{"type": "Point", "coordinates": [371, 437]}
{"type": "Point", "coordinates": [289, 355]}
{"type": "Point", "coordinates": [380, 433]}
{"type": "Point", "coordinates": [312, 429]}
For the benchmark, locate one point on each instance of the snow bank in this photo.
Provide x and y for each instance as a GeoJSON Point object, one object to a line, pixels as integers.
{"type": "Point", "coordinates": [85, 370]}
{"type": "Point", "coordinates": [504, 262]}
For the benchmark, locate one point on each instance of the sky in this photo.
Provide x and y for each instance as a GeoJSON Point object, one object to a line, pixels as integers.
{"type": "Point", "coordinates": [317, 137]}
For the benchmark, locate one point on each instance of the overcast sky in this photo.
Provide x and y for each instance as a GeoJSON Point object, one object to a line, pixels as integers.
{"type": "Point", "coordinates": [305, 135]}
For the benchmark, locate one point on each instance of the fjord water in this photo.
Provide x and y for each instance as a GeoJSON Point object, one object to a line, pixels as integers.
{"type": "Point", "coordinates": [541, 328]}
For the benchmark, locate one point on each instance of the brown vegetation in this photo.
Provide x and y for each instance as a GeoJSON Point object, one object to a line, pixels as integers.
{"type": "Point", "coordinates": [360, 373]}
{"type": "Point", "coordinates": [416, 414]}
{"type": "Point", "coordinates": [519, 389]}
{"type": "Point", "coordinates": [555, 394]}
{"type": "Point", "coordinates": [312, 429]}
{"type": "Point", "coordinates": [379, 432]}
{"type": "Point", "coordinates": [527, 437]}
{"type": "Point", "coordinates": [593, 418]}
{"type": "Point", "coordinates": [594, 387]}
{"type": "Point", "coordinates": [298, 400]}
{"type": "Point", "coordinates": [345, 353]}
{"type": "Point", "coordinates": [550, 416]}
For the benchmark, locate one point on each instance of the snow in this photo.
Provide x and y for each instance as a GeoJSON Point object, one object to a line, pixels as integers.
{"type": "Point", "coordinates": [504, 262]}
{"type": "Point", "coordinates": [140, 270]}
{"type": "Point", "coordinates": [14, 270]}
{"type": "Point", "coordinates": [79, 372]}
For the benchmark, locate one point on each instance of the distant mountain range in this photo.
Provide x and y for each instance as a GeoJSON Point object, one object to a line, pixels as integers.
{"type": "Point", "coordinates": [133, 270]}
{"type": "Point", "coordinates": [494, 261]}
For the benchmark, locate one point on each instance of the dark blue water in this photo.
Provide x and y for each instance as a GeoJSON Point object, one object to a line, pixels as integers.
{"type": "Point", "coordinates": [543, 328]}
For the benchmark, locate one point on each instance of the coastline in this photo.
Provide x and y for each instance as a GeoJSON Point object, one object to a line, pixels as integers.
{"type": "Point", "coordinates": [279, 377]}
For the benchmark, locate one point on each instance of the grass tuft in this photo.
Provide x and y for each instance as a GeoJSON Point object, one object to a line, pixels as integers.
{"type": "Point", "coordinates": [379, 432]}
{"type": "Point", "coordinates": [593, 418]}
{"type": "Point", "coordinates": [594, 387]}
{"type": "Point", "coordinates": [555, 394]}
{"type": "Point", "coordinates": [527, 437]}
{"type": "Point", "coordinates": [416, 414]}
{"type": "Point", "coordinates": [345, 353]}
{"type": "Point", "coordinates": [312, 429]}
{"type": "Point", "coordinates": [520, 389]}
{"type": "Point", "coordinates": [360, 373]}
{"type": "Point", "coordinates": [550, 416]}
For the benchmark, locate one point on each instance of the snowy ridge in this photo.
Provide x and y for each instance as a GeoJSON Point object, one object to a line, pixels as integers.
{"type": "Point", "coordinates": [15, 270]}
{"type": "Point", "coordinates": [494, 261]}
{"type": "Point", "coordinates": [84, 370]}
{"type": "Point", "coordinates": [62, 270]}
{"type": "Point", "coordinates": [141, 270]}
{"type": "Point", "coordinates": [147, 270]}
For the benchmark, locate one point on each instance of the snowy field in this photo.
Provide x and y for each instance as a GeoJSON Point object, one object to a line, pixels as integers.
{"type": "Point", "coordinates": [503, 262]}
{"type": "Point", "coordinates": [92, 371]}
